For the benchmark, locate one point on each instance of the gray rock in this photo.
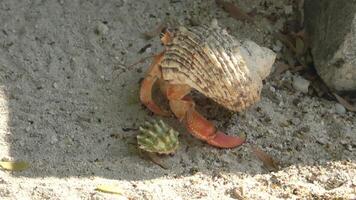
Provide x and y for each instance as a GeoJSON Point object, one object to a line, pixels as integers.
{"type": "Point", "coordinates": [300, 84]}
{"type": "Point", "coordinates": [101, 28]}
{"type": "Point", "coordinates": [331, 26]}
{"type": "Point", "coordinates": [340, 109]}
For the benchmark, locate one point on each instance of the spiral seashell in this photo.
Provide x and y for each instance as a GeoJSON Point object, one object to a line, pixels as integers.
{"type": "Point", "coordinates": [213, 62]}
{"type": "Point", "coordinates": [158, 137]}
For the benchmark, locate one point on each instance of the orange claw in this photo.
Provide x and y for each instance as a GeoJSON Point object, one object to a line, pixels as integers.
{"type": "Point", "coordinates": [146, 97]}
{"type": "Point", "coordinates": [225, 141]}
{"type": "Point", "coordinates": [205, 130]}
{"type": "Point", "coordinates": [154, 73]}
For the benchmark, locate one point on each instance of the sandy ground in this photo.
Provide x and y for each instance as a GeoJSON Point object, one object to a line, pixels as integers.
{"type": "Point", "coordinates": [69, 106]}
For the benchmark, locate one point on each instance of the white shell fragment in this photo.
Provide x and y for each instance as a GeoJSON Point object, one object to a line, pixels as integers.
{"type": "Point", "coordinates": [301, 84]}
{"type": "Point", "coordinates": [213, 62]}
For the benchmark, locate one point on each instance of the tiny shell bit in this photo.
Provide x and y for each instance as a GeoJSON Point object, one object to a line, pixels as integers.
{"type": "Point", "coordinates": [209, 60]}
{"type": "Point", "coordinates": [158, 137]}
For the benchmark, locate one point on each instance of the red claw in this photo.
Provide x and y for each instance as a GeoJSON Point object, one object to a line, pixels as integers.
{"type": "Point", "coordinates": [226, 141]}
{"type": "Point", "coordinates": [205, 130]}
{"type": "Point", "coordinates": [146, 96]}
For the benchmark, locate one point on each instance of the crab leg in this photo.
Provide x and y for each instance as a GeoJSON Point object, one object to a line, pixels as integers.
{"type": "Point", "coordinates": [183, 107]}
{"type": "Point", "coordinates": [153, 74]}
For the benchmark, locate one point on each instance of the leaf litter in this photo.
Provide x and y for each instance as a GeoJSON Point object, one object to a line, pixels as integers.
{"type": "Point", "coordinates": [14, 165]}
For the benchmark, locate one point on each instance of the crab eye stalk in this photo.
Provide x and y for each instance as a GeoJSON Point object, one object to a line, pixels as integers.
{"type": "Point", "coordinates": [166, 36]}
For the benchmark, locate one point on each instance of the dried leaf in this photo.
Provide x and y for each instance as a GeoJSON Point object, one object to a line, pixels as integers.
{"type": "Point", "coordinates": [280, 68]}
{"type": "Point", "coordinates": [285, 40]}
{"type": "Point", "coordinates": [14, 166]}
{"type": "Point", "coordinates": [109, 189]}
{"type": "Point", "coordinates": [302, 34]}
{"type": "Point", "coordinates": [346, 104]}
{"type": "Point", "coordinates": [298, 68]}
{"type": "Point", "coordinates": [151, 34]}
{"type": "Point", "coordinates": [299, 46]}
{"type": "Point", "coordinates": [267, 160]}
{"type": "Point", "coordinates": [319, 87]}
{"type": "Point", "coordinates": [289, 57]}
{"type": "Point", "coordinates": [234, 11]}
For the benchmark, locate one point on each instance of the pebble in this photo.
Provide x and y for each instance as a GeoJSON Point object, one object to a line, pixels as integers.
{"type": "Point", "coordinates": [53, 139]}
{"type": "Point", "coordinates": [237, 193]}
{"type": "Point", "coordinates": [295, 121]}
{"type": "Point", "coordinates": [300, 84]}
{"type": "Point", "coordinates": [272, 89]}
{"type": "Point", "coordinates": [288, 9]}
{"type": "Point", "coordinates": [277, 47]}
{"type": "Point", "coordinates": [149, 50]}
{"type": "Point", "coordinates": [101, 28]}
{"type": "Point", "coordinates": [340, 109]}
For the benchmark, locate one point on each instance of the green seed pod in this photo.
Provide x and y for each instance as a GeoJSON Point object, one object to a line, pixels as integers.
{"type": "Point", "coordinates": [157, 137]}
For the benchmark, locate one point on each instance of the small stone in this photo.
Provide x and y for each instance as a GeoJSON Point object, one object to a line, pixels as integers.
{"type": "Point", "coordinates": [55, 85]}
{"type": "Point", "coordinates": [300, 84]}
{"type": "Point", "coordinates": [53, 139]}
{"type": "Point", "coordinates": [237, 193]}
{"type": "Point", "coordinates": [288, 9]}
{"type": "Point", "coordinates": [277, 47]}
{"type": "Point", "coordinates": [101, 29]}
{"type": "Point", "coordinates": [295, 121]}
{"type": "Point", "coordinates": [27, 129]}
{"type": "Point", "coordinates": [272, 89]}
{"type": "Point", "coordinates": [349, 147]}
{"type": "Point", "coordinates": [149, 50]}
{"type": "Point", "coordinates": [340, 109]}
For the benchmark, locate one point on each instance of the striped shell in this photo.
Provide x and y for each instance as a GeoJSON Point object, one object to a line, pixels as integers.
{"type": "Point", "coordinates": [158, 137]}
{"type": "Point", "coordinates": [211, 61]}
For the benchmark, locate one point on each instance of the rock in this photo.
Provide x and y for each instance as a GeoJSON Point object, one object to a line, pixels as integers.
{"type": "Point", "coordinates": [331, 27]}
{"type": "Point", "coordinates": [300, 84]}
{"type": "Point", "coordinates": [277, 47]}
{"type": "Point", "coordinates": [340, 109]}
{"type": "Point", "coordinates": [288, 9]}
{"type": "Point", "coordinates": [101, 28]}
{"type": "Point", "coordinates": [259, 59]}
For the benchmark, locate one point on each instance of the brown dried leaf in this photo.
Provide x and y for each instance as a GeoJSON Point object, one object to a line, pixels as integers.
{"type": "Point", "coordinates": [280, 68]}
{"type": "Point", "coordinates": [151, 34]}
{"type": "Point", "coordinates": [346, 104]}
{"type": "Point", "coordinates": [321, 89]}
{"type": "Point", "coordinates": [298, 68]}
{"type": "Point", "coordinates": [299, 46]}
{"type": "Point", "coordinates": [234, 11]}
{"type": "Point", "coordinates": [285, 40]}
{"type": "Point", "coordinates": [289, 57]}
{"type": "Point", "coordinates": [266, 159]}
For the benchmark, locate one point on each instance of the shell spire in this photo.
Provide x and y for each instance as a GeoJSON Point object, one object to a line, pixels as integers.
{"type": "Point", "coordinates": [158, 137]}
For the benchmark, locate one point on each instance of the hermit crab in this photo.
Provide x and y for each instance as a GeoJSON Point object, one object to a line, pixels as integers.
{"type": "Point", "coordinates": [208, 59]}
